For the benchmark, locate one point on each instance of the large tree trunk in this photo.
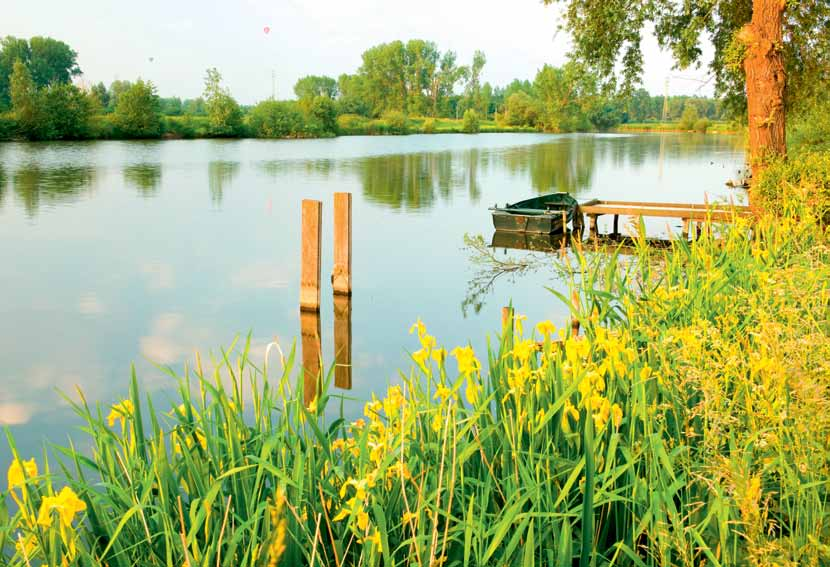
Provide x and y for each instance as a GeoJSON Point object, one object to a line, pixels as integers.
{"type": "Point", "coordinates": [765, 81]}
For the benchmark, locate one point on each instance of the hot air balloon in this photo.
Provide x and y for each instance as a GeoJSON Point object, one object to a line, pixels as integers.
{"type": "Point", "coordinates": [151, 59]}
{"type": "Point", "coordinates": [266, 29]}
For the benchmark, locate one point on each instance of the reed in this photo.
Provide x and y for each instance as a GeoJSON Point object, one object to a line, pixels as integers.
{"type": "Point", "coordinates": [688, 425]}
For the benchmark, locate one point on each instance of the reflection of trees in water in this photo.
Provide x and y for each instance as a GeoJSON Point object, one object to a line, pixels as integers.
{"type": "Point", "coordinates": [638, 149]}
{"type": "Point", "coordinates": [220, 174]}
{"type": "Point", "coordinates": [144, 178]}
{"type": "Point", "coordinates": [415, 180]}
{"type": "Point", "coordinates": [564, 165]}
{"type": "Point", "coordinates": [321, 167]}
{"type": "Point", "coordinates": [35, 185]}
{"type": "Point", "coordinates": [2, 185]}
{"type": "Point", "coordinates": [405, 180]}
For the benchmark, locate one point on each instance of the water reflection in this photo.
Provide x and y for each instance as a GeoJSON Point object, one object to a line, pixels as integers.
{"type": "Point", "coordinates": [565, 165]}
{"type": "Point", "coordinates": [2, 185]}
{"type": "Point", "coordinates": [35, 185]}
{"type": "Point", "coordinates": [406, 181]}
{"type": "Point", "coordinates": [343, 341]}
{"type": "Point", "coordinates": [220, 176]}
{"type": "Point", "coordinates": [144, 178]}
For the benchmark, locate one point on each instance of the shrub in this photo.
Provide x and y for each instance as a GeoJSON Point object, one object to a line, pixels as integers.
{"type": "Point", "coordinates": [798, 186]}
{"type": "Point", "coordinates": [470, 122]}
{"type": "Point", "coordinates": [137, 111]}
{"type": "Point", "coordinates": [395, 122]}
{"type": "Point", "coordinates": [352, 124]}
{"type": "Point", "coordinates": [8, 126]}
{"type": "Point", "coordinates": [701, 125]}
{"type": "Point", "coordinates": [429, 126]}
{"type": "Point", "coordinates": [689, 117]}
{"type": "Point", "coordinates": [276, 119]}
{"type": "Point", "coordinates": [323, 111]}
{"type": "Point", "coordinates": [520, 109]}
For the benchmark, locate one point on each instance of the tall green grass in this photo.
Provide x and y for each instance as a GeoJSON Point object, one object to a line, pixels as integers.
{"type": "Point", "coordinates": [689, 425]}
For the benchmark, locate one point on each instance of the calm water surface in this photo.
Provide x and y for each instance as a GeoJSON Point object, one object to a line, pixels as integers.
{"type": "Point", "coordinates": [120, 252]}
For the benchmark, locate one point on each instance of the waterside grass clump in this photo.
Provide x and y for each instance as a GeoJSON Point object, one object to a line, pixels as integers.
{"type": "Point", "coordinates": [688, 425]}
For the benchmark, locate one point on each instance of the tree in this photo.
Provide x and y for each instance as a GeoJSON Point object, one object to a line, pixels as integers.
{"type": "Point", "coordinates": [470, 122]}
{"type": "Point", "coordinates": [384, 71]}
{"type": "Point", "coordinates": [137, 111]}
{"type": "Point", "coordinates": [23, 94]}
{"type": "Point", "coordinates": [49, 61]}
{"type": "Point", "coordinates": [117, 88]}
{"type": "Point", "coordinates": [448, 75]}
{"type": "Point", "coordinates": [473, 90]}
{"type": "Point", "coordinates": [222, 110]}
{"type": "Point", "coordinates": [689, 116]}
{"type": "Point", "coordinates": [352, 95]}
{"type": "Point", "coordinates": [312, 86]}
{"type": "Point", "coordinates": [421, 63]}
{"type": "Point", "coordinates": [323, 112]}
{"type": "Point", "coordinates": [758, 43]}
{"type": "Point", "coordinates": [103, 95]}
{"type": "Point", "coordinates": [275, 119]}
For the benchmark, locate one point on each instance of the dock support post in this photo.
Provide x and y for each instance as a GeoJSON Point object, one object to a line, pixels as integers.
{"type": "Point", "coordinates": [592, 227]}
{"type": "Point", "coordinates": [310, 332]}
{"type": "Point", "coordinates": [310, 247]}
{"type": "Point", "coordinates": [616, 225]}
{"type": "Point", "coordinates": [685, 229]}
{"type": "Point", "coordinates": [343, 341]}
{"type": "Point", "coordinates": [341, 275]}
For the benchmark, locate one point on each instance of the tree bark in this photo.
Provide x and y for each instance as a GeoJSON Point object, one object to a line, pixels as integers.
{"type": "Point", "coordinates": [765, 82]}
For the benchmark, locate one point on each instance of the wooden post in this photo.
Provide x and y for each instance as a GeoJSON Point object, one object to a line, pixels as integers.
{"type": "Point", "coordinates": [310, 270]}
{"type": "Point", "coordinates": [579, 223]}
{"type": "Point", "coordinates": [343, 341]}
{"type": "Point", "coordinates": [685, 228]}
{"type": "Point", "coordinates": [592, 228]}
{"type": "Point", "coordinates": [310, 331]}
{"type": "Point", "coordinates": [341, 275]}
{"type": "Point", "coordinates": [616, 225]}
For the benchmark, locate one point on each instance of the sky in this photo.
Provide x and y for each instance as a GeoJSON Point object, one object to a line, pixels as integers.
{"type": "Point", "coordinates": [173, 43]}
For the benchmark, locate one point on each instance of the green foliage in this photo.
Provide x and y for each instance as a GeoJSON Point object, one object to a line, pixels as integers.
{"type": "Point", "coordinates": [23, 96]}
{"type": "Point", "coordinates": [223, 112]}
{"type": "Point", "coordinates": [49, 61]}
{"type": "Point", "coordinates": [137, 111]}
{"type": "Point", "coordinates": [57, 112]}
{"type": "Point", "coordinates": [470, 122]}
{"type": "Point", "coordinates": [689, 117]}
{"type": "Point", "coordinates": [312, 86]}
{"type": "Point", "coordinates": [429, 126]}
{"type": "Point", "coordinates": [322, 111]}
{"type": "Point", "coordinates": [276, 119]}
{"type": "Point", "coordinates": [521, 109]}
{"type": "Point", "coordinates": [8, 126]}
{"type": "Point", "coordinates": [800, 184]}
{"type": "Point", "coordinates": [701, 125]}
{"type": "Point", "coordinates": [353, 124]}
{"type": "Point", "coordinates": [394, 122]}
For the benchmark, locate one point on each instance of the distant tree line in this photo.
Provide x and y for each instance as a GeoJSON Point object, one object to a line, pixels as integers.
{"type": "Point", "coordinates": [396, 85]}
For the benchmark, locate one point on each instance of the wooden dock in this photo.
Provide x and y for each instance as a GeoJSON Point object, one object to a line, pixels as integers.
{"type": "Point", "coordinates": [688, 213]}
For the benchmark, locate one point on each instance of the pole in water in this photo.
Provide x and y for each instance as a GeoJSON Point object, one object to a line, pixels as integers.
{"type": "Point", "coordinates": [341, 275]}
{"type": "Point", "coordinates": [312, 212]}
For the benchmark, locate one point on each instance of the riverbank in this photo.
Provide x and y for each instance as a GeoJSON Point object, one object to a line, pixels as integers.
{"type": "Point", "coordinates": [714, 127]}
{"type": "Point", "coordinates": [104, 127]}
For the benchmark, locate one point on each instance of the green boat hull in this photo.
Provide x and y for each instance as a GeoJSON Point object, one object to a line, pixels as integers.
{"type": "Point", "coordinates": [547, 214]}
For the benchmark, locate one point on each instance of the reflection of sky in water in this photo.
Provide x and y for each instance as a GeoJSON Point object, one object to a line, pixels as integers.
{"type": "Point", "coordinates": [120, 252]}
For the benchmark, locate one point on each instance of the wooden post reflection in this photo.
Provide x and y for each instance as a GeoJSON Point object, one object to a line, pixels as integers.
{"type": "Point", "coordinates": [343, 341]}
{"type": "Point", "coordinates": [312, 376]}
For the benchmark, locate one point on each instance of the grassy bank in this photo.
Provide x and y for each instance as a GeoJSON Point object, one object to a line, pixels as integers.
{"type": "Point", "coordinates": [713, 127]}
{"type": "Point", "coordinates": [688, 426]}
